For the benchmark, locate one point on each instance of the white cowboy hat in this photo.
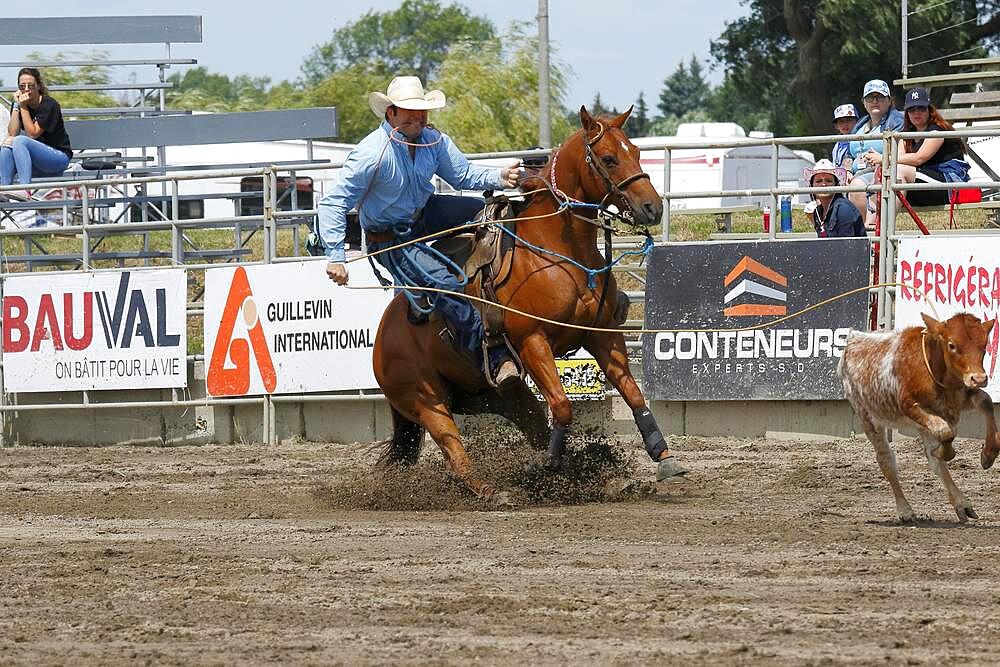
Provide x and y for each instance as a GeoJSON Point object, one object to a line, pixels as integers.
{"type": "Point", "coordinates": [406, 92]}
{"type": "Point", "coordinates": [825, 167]}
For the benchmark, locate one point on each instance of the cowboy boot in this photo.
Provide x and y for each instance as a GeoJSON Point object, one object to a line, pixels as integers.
{"type": "Point", "coordinates": [500, 366]}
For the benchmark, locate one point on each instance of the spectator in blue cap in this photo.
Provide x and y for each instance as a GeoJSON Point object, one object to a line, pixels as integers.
{"type": "Point", "coordinates": [867, 154]}
{"type": "Point", "coordinates": [929, 159]}
{"type": "Point", "coordinates": [844, 118]}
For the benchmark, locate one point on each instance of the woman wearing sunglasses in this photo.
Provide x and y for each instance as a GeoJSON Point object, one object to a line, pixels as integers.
{"type": "Point", "coordinates": [930, 159]}
{"type": "Point", "coordinates": [36, 143]}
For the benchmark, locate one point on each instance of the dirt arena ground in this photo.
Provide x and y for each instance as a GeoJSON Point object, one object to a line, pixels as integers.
{"type": "Point", "coordinates": [769, 552]}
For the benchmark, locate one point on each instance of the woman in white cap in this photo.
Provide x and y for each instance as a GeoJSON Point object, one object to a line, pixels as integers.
{"type": "Point", "coordinates": [845, 116]}
{"type": "Point", "coordinates": [934, 159]}
{"type": "Point", "coordinates": [388, 178]}
{"type": "Point", "coordinates": [833, 215]}
{"type": "Point", "coordinates": [867, 154]}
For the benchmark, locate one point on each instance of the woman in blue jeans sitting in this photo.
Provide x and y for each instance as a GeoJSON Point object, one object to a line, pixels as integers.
{"type": "Point", "coordinates": [43, 149]}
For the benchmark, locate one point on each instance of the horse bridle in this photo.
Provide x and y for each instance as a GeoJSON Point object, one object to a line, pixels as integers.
{"type": "Point", "coordinates": [614, 189]}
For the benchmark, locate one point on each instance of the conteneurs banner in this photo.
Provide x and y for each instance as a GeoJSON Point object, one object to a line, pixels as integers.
{"type": "Point", "coordinates": [717, 291]}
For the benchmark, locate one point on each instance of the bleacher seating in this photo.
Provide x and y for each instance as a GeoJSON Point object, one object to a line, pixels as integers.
{"type": "Point", "coordinates": [966, 107]}
{"type": "Point", "coordinates": [101, 137]}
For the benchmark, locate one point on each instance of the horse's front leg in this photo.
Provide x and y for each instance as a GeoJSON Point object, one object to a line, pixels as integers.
{"type": "Point", "coordinates": [612, 356]}
{"type": "Point", "coordinates": [536, 354]}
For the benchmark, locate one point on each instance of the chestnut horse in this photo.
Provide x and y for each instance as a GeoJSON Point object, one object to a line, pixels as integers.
{"type": "Point", "coordinates": [426, 381]}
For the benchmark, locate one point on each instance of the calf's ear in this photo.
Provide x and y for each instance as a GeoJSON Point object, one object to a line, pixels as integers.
{"type": "Point", "coordinates": [933, 326]}
{"type": "Point", "coordinates": [988, 326]}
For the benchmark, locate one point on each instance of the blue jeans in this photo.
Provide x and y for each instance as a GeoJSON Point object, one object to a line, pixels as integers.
{"type": "Point", "coordinates": [423, 269]}
{"type": "Point", "coordinates": [30, 157]}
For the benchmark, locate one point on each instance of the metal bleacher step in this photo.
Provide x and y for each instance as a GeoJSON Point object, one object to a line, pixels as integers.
{"type": "Point", "coordinates": [972, 113]}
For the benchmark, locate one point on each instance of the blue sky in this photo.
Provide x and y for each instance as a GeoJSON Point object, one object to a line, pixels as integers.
{"type": "Point", "coordinates": [617, 54]}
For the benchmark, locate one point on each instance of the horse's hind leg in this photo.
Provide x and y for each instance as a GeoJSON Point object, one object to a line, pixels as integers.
{"type": "Point", "coordinates": [517, 403]}
{"type": "Point", "coordinates": [440, 423]}
{"type": "Point", "coordinates": [404, 447]}
{"type": "Point", "coordinates": [521, 406]}
{"type": "Point", "coordinates": [612, 356]}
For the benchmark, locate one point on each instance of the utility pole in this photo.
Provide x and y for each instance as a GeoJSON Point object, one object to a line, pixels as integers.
{"type": "Point", "coordinates": [904, 21]}
{"type": "Point", "coordinates": [544, 124]}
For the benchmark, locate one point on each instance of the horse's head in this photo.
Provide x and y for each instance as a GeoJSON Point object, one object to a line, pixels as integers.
{"type": "Point", "coordinates": [615, 174]}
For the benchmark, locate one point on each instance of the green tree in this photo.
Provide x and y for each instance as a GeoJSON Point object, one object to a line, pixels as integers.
{"type": "Point", "coordinates": [413, 39]}
{"type": "Point", "coordinates": [726, 103]}
{"type": "Point", "coordinates": [89, 74]}
{"type": "Point", "coordinates": [492, 90]}
{"type": "Point", "coordinates": [638, 123]}
{"type": "Point", "coordinates": [201, 90]}
{"type": "Point", "coordinates": [666, 126]}
{"type": "Point", "coordinates": [796, 59]}
{"type": "Point", "coordinates": [685, 90]}
{"type": "Point", "coordinates": [348, 89]}
{"type": "Point", "coordinates": [596, 107]}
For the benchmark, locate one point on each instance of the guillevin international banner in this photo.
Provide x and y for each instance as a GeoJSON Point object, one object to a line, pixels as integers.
{"type": "Point", "coordinates": [958, 275]}
{"type": "Point", "coordinates": [716, 291]}
{"type": "Point", "coordinates": [286, 328]}
{"type": "Point", "coordinates": [88, 331]}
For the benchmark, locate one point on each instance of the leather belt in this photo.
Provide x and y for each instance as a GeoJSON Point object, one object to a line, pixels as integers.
{"type": "Point", "coordinates": [380, 237]}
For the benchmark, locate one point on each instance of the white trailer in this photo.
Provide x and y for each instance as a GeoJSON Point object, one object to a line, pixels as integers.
{"type": "Point", "coordinates": [707, 169]}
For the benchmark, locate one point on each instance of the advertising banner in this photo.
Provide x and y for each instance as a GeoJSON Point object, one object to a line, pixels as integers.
{"type": "Point", "coordinates": [286, 328]}
{"type": "Point", "coordinates": [88, 331]}
{"type": "Point", "coordinates": [717, 292]}
{"type": "Point", "coordinates": [581, 378]}
{"type": "Point", "coordinates": [958, 275]}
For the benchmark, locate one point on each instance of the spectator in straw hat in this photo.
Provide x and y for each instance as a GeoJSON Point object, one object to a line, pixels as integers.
{"type": "Point", "coordinates": [845, 117]}
{"type": "Point", "coordinates": [388, 178]}
{"type": "Point", "coordinates": [832, 214]}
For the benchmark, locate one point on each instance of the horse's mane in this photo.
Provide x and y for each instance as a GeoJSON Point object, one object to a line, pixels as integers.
{"type": "Point", "coordinates": [537, 178]}
{"type": "Point", "coordinates": [535, 182]}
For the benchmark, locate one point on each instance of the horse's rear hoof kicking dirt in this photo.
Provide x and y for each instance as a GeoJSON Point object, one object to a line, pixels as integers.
{"type": "Point", "coordinates": [426, 381]}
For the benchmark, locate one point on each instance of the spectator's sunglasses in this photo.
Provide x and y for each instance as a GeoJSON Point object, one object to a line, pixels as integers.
{"type": "Point", "coordinates": [27, 86]}
{"type": "Point", "coordinates": [875, 97]}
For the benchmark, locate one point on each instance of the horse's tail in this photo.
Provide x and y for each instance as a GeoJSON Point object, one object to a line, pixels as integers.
{"type": "Point", "coordinates": [404, 446]}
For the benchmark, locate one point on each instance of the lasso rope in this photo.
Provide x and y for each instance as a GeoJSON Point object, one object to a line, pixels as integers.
{"type": "Point", "coordinates": [623, 330]}
{"type": "Point", "coordinates": [647, 247]}
{"type": "Point", "coordinates": [452, 230]}
{"type": "Point", "coordinates": [409, 143]}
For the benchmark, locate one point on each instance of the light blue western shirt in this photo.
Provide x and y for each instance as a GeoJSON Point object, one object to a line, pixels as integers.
{"type": "Point", "coordinates": [401, 185]}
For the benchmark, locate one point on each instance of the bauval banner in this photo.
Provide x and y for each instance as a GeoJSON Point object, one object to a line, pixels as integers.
{"type": "Point", "coordinates": [950, 275]}
{"type": "Point", "coordinates": [706, 297]}
{"type": "Point", "coordinates": [91, 331]}
{"type": "Point", "coordinates": [286, 328]}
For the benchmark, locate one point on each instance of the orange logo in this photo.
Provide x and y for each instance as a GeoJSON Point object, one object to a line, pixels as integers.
{"type": "Point", "coordinates": [750, 296]}
{"type": "Point", "coordinates": [222, 381]}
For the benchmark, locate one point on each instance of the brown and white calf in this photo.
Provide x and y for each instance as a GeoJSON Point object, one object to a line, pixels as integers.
{"type": "Point", "coordinates": [923, 378]}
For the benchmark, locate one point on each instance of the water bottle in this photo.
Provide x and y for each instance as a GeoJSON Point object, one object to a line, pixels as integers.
{"type": "Point", "coordinates": [767, 219]}
{"type": "Point", "coordinates": [786, 214]}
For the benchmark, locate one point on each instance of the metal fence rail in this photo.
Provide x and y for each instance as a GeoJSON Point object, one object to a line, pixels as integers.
{"type": "Point", "coordinates": [270, 222]}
